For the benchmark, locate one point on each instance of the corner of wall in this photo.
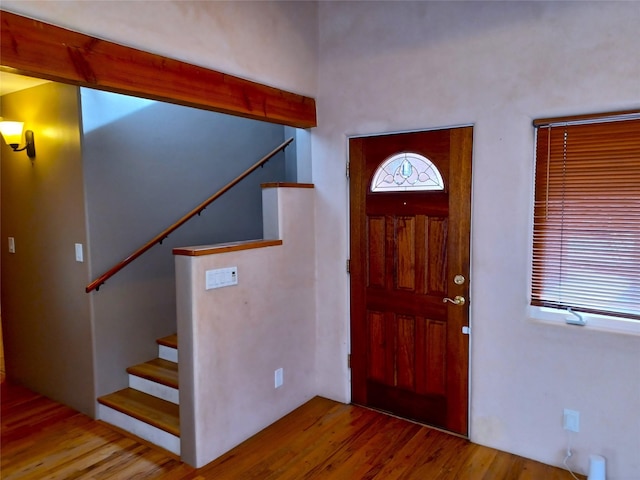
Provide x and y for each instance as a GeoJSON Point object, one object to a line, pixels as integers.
{"type": "Point", "coordinates": [240, 335]}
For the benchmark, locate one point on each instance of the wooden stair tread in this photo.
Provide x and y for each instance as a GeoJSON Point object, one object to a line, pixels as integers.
{"type": "Point", "coordinates": [157, 370]}
{"type": "Point", "coordinates": [171, 341]}
{"type": "Point", "coordinates": [146, 408]}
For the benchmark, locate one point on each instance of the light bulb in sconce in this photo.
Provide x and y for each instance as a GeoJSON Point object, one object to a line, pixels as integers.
{"type": "Point", "coordinates": [12, 134]}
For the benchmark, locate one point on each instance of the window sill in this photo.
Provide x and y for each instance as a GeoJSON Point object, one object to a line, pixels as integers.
{"type": "Point", "coordinates": [602, 323]}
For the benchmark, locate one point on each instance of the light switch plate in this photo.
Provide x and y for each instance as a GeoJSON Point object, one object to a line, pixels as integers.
{"type": "Point", "coordinates": [79, 254]}
{"type": "Point", "coordinates": [221, 277]}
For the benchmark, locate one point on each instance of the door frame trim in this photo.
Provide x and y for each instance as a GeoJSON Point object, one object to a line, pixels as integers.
{"type": "Point", "coordinates": [399, 132]}
{"type": "Point", "coordinates": [470, 367]}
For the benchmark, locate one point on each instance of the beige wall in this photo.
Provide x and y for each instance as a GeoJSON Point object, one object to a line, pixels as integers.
{"type": "Point", "coordinates": [393, 66]}
{"type": "Point", "coordinates": [239, 335]}
{"type": "Point", "coordinates": [45, 312]}
{"type": "Point", "coordinates": [274, 43]}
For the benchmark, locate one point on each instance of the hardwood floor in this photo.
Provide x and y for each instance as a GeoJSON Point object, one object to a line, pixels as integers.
{"type": "Point", "coordinates": [322, 439]}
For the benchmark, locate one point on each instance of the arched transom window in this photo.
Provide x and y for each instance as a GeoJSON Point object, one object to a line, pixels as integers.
{"type": "Point", "coordinates": [407, 171]}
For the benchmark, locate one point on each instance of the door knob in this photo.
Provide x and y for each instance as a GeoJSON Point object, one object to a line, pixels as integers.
{"type": "Point", "coordinates": [457, 300]}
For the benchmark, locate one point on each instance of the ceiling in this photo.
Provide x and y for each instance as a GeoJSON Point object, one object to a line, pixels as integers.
{"type": "Point", "coordinates": [10, 82]}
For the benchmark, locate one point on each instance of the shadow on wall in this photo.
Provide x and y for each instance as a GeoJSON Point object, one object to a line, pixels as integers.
{"type": "Point", "coordinates": [154, 162]}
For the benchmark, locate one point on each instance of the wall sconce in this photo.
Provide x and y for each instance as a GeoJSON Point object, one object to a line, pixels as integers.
{"type": "Point", "coordinates": [12, 134]}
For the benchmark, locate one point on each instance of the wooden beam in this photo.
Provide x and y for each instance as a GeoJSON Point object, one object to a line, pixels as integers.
{"type": "Point", "coordinates": [31, 47]}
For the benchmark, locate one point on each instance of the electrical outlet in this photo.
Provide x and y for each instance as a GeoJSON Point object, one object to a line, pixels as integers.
{"type": "Point", "coordinates": [278, 378]}
{"type": "Point", "coordinates": [571, 420]}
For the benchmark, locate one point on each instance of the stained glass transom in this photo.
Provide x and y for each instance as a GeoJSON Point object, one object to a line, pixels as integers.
{"type": "Point", "coordinates": [407, 171]}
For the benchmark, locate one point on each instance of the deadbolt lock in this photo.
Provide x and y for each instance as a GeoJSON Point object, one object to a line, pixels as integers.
{"type": "Point", "coordinates": [458, 279]}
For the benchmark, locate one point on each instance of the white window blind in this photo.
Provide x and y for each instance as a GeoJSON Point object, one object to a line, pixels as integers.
{"type": "Point", "coordinates": [586, 232]}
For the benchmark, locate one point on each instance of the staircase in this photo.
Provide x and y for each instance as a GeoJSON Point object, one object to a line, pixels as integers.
{"type": "Point", "coordinates": [149, 407]}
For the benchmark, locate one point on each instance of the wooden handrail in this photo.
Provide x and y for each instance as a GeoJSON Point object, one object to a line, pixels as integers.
{"type": "Point", "coordinates": [95, 285]}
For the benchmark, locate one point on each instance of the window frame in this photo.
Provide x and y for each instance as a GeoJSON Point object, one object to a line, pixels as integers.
{"type": "Point", "coordinates": [559, 316]}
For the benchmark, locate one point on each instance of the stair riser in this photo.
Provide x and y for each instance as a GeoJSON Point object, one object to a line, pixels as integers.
{"type": "Point", "coordinates": [168, 353]}
{"type": "Point", "coordinates": [140, 429]}
{"type": "Point", "coordinates": [156, 389]}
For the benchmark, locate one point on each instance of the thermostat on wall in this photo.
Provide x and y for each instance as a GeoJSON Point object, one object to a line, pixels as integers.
{"type": "Point", "coordinates": [221, 277]}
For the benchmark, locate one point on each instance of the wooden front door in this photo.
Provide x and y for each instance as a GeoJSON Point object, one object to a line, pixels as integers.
{"type": "Point", "coordinates": [409, 254]}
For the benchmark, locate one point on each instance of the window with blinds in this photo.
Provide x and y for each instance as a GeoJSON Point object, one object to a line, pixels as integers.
{"type": "Point", "coordinates": [586, 231]}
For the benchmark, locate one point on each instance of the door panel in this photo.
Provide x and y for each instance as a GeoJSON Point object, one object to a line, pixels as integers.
{"type": "Point", "coordinates": [409, 355]}
{"type": "Point", "coordinates": [377, 236]}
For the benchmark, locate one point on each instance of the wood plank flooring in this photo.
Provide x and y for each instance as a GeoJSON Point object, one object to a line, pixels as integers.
{"type": "Point", "coordinates": [322, 439]}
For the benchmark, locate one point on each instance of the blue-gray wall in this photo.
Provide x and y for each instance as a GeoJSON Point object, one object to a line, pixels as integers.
{"type": "Point", "coordinates": [145, 165]}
